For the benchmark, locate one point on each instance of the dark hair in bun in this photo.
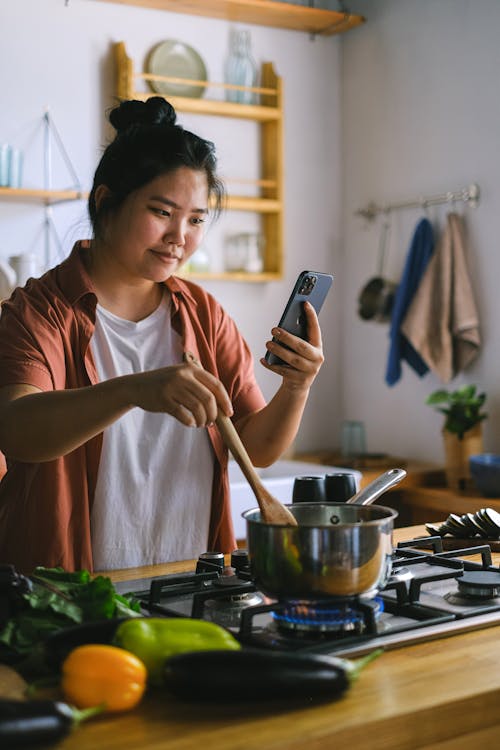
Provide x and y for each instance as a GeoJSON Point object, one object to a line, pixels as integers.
{"type": "Point", "coordinates": [149, 143]}
{"type": "Point", "coordinates": [154, 111]}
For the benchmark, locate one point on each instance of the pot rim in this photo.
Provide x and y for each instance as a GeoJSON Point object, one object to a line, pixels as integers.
{"type": "Point", "coordinates": [391, 514]}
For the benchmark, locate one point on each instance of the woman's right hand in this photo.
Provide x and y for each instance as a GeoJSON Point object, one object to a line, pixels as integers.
{"type": "Point", "coordinates": [190, 394]}
{"type": "Point", "coordinates": [41, 426]}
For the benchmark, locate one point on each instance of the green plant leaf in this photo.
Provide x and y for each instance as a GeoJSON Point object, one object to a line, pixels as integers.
{"type": "Point", "coordinates": [462, 410]}
{"type": "Point", "coordinates": [437, 397]}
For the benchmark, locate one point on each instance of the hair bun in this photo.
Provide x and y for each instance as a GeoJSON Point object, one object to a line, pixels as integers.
{"type": "Point", "coordinates": [154, 111]}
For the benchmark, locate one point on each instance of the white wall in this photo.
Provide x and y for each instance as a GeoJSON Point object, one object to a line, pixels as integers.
{"type": "Point", "coordinates": [409, 103]}
{"type": "Point", "coordinates": [420, 115]}
{"type": "Point", "coordinates": [57, 55]}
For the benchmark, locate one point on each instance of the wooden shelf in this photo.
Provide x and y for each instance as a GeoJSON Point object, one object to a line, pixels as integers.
{"type": "Point", "coordinates": [261, 12]}
{"type": "Point", "coordinates": [214, 107]}
{"type": "Point", "coordinates": [251, 278]}
{"type": "Point", "coordinates": [268, 114]}
{"type": "Point", "coordinates": [256, 205]}
{"type": "Point", "coordinates": [47, 197]}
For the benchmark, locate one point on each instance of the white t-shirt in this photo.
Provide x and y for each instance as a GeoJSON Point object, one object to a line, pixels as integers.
{"type": "Point", "coordinates": [154, 484]}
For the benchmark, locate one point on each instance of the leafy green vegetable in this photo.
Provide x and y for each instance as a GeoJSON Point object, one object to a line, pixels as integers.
{"type": "Point", "coordinates": [59, 599]}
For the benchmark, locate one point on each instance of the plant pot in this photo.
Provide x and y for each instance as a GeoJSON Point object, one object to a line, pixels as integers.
{"type": "Point", "coordinates": [457, 452]}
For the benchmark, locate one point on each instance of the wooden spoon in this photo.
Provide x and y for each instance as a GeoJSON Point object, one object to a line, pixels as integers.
{"type": "Point", "coordinates": [271, 509]}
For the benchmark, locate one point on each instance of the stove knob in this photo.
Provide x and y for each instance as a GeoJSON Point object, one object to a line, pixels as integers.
{"type": "Point", "coordinates": [240, 559]}
{"type": "Point", "coordinates": [208, 562]}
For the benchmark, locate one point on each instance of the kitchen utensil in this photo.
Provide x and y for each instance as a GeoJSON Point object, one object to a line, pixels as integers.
{"type": "Point", "coordinates": [16, 168]}
{"type": "Point", "coordinates": [5, 157]}
{"type": "Point", "coordinates": [25, 266]}
{"type": "Point", "coordinates": [352, 439]}
{"type": "Point", "coordinates": [337, 549]}
{"type": "Point", "coordinates": [178, 60]}
{"type": "Point", "coordinates": [308, 489]}
{"type": "Point", "coordinates": [339, 487]}
{"type": "Point", "coordinates": [8, 279]}
{"type": "Point", "coordinates": [272, 510]}
{"type": "Point", "coordinates": [380, 484]}
{"type": "Point", "coordinates": [244, 252]}
{"type": "Point", "coordinates": [376, 299]}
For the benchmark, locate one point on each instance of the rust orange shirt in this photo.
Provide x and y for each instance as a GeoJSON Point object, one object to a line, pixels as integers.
{"type": "Point", "coordinates": [45, 331]}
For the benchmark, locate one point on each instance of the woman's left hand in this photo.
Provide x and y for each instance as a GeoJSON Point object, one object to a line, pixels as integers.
{"type": "Point", "coordinates": [304, 358]}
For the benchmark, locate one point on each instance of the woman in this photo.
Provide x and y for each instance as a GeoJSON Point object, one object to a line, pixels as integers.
{"type": "Point", "coordinates": [96, 400]}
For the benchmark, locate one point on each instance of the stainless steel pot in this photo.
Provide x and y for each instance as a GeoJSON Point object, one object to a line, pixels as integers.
{"type": "Point", "coordinates": [336, 550]}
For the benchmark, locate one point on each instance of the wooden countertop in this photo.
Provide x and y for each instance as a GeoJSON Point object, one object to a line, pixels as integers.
{"type": "Point", "coordinates": [440, 695]}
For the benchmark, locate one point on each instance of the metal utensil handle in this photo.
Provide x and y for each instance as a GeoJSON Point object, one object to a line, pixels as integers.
{"type": "Point", "coordinates": [382, 247]}
{"type": "Point", "coordinates": [379, 485]}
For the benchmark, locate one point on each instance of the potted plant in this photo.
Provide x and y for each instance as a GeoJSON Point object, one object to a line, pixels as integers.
{"type": "Point", "coordinates": [462, 430]}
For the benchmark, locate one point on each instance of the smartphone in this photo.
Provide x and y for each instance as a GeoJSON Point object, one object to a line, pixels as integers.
{"type": "Point", "coordinates": [312, 287]}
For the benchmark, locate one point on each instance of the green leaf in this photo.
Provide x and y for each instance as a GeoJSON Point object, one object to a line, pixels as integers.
{"type": "Point", "coordinates": [463, 408]}
{"type": "Point", "coordinates": [437, 398]}
{"type": "Point", "coordinates": [59, 599]}
{"type": "Point", "coordinates": [465, 393]}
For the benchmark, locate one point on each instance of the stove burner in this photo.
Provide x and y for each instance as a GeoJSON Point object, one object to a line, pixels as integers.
{"type": "Point", "coordinates": [480, 584]}
{"type": "Point", "coordinates": [227, 610]}
{"type": "Point", "coordinates": [323, 617]}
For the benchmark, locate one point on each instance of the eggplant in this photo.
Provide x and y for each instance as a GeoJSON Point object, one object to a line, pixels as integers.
{"type": "Point", "coordinates": [258, 674]}
{"type": "Point", "coordinates": [59, 644]}
{"type": "Point", "coordinates": [35, 722]}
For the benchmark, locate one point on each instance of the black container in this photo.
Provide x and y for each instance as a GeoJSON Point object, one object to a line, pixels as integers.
{"type": "Point", "coordinates": [309, 489]}
{"type": "Point", "coordinates": [339, 487]}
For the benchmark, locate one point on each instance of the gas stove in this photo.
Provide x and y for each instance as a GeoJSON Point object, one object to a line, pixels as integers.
{"type": "Point", "coordinates": [431, 594]}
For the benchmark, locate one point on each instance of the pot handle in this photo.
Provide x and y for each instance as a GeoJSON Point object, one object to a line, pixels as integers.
{"type": "Point", "coordinates": [385, 481]}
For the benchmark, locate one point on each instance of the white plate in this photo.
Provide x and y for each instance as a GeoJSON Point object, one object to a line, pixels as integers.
{"type": "Point", "coordinates": [174, 58]}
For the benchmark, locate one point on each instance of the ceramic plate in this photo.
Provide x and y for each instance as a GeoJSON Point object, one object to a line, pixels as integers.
{"type": "Point", "coordinates": [174, 58]}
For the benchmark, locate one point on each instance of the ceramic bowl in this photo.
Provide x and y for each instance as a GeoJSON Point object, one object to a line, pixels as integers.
{"type": "Point", "coordinates": [485, 473]}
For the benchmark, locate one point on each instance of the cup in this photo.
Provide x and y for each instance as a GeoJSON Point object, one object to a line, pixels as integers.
{"type": "Point", "coordinates": [243, 252]}
{"type": "Point", "coordinates": [5, 157]}
{"type": "Point", "coordinates": [339, 487]}
{"type": "Point", "coordinates": [309, 489]}
{"type": "Point", "coordinates": [16, 168]}
{"type": "Point", "coordinates": [352, 439]}
{"type": "Point", "coordinates": [25, 266]}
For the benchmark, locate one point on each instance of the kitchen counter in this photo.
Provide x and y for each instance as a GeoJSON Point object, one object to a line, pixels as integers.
{"type": "Point", "coordinates": [439, 695]}
{"type": "Point", "coordinates": [428, 504]}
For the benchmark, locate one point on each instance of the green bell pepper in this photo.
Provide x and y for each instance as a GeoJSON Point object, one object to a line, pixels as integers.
{"type": "Point", "coordinates": [155, 639]}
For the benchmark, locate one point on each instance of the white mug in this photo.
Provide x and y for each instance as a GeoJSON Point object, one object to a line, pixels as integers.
{"type": "Point", "coordinates": [7, 279]}
{"type": "Point", "coordinates": [25, 266]}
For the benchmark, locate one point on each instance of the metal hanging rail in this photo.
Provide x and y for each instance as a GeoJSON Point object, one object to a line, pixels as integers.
{"type": "Point", "coordinates": [469, 195]}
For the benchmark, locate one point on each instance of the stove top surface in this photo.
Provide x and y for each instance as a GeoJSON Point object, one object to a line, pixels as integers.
{"type": "Point", "coordinates": [431, 594]}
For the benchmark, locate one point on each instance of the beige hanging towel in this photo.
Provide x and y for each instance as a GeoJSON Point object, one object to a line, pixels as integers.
{"type": "Point", "coordinates": [442, 322]}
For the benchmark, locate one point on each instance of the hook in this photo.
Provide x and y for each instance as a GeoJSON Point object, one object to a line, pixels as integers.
{"type": "Point", "coordinates": [384, 237]}
{"type": "Point", "coordinates": [424, 204]}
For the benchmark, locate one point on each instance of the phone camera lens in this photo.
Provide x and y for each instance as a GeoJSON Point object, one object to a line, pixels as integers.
{"type": "Point", "coordinates": [308, 285]}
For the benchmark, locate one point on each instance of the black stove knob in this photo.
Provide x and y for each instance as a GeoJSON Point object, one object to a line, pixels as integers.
{"type": "Point", "coordinates": [209, 562]}
{"type": "Point", "coordinates": [240, 560]}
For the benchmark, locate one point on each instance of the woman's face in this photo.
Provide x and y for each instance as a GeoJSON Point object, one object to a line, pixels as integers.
{"type": "Point", "coordinates": [158, 226]}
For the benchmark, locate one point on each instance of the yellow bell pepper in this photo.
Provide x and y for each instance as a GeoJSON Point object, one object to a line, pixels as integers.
{"type": "Point", "coordinates": [96, 674]}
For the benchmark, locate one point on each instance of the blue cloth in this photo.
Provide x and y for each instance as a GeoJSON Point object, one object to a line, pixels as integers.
{"type": "Point", "coordinates": [419, 254]}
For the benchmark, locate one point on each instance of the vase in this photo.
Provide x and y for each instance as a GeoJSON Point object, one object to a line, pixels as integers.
{"type": "Point", "coordinates": [457, 453]}
{"type": "Point", "coordinates": [240, 68]}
